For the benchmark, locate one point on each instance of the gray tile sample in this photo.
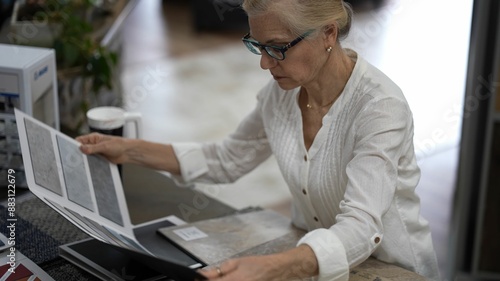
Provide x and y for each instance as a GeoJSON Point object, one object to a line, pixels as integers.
{"type": "Point", "coordinates": [73, 166]}
{"type": "Point", "coordinates": [231, 235]}
{"type": "Point", "coordinates": [43, 157]}
{"type": "Point", "coordinates": [104, 189]}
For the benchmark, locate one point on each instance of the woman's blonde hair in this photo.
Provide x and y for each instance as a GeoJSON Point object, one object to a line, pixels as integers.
{"type": "Point", "coordinates": [304, 15]}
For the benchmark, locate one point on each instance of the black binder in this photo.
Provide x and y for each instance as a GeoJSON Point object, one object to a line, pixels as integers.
{"type": "Point", "coordinates": [109, 262]}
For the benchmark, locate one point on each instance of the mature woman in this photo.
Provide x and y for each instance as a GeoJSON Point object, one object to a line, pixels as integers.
{"type": "Point", "coordinates": [341, 132]}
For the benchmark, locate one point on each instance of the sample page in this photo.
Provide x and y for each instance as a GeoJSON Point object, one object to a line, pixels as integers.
{"type": "Point", "coordinates": [87, 190]}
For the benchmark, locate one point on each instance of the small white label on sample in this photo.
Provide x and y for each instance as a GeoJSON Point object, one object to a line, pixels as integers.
{"type": "Point", "coordinates": [190, 233]}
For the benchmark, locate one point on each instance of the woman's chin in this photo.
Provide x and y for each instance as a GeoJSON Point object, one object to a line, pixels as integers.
{"type": "Point", "coordinates": [286, 84]}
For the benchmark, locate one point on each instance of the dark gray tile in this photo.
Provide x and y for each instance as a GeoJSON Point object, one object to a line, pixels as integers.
{"type": "Point", "coordinates": [43, 157]}
{"type": "Point", "coordinates": [104, 189]}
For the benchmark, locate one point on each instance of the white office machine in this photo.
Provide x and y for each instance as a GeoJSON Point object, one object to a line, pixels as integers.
{"type": "Point", "coordinates": [27, 82]}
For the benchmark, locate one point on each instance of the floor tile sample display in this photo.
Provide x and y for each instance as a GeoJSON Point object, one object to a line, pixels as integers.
{"type": "Point", "coordinates": [86, 190]}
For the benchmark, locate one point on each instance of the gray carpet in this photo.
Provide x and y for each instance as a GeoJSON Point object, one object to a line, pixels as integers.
{"type": "Point", "coordinates": [39, 233]}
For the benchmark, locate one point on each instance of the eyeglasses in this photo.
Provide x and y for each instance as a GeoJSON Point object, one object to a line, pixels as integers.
{"type": "Point", "coordinates": [273, 51]}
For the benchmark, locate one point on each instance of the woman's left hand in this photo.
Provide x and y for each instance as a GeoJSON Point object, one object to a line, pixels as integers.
{"type": "Point", "coordinates": [246, 269]}
{"type": "Point", "coordinates": [275, 267]}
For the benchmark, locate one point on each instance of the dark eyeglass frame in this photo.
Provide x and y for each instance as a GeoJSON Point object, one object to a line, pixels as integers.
{"type": "Point", "coordinates": [251, 44]}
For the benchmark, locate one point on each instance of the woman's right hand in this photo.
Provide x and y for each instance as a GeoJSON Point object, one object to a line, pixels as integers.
{"type": "Point", "coordinates": [119, 150]}
{"type": "Point", "coordinates": [111, 147]}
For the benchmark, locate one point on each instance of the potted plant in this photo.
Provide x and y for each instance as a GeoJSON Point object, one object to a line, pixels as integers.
{"type": "Point", "coordinates": [85, 67]}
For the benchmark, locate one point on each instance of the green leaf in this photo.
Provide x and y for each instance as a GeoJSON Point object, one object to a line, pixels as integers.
{"type": "Point", "coordinates": [71, 54]}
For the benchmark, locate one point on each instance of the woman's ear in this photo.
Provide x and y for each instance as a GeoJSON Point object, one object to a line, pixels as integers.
{"type": "Point", "coordinates": [330, 34]}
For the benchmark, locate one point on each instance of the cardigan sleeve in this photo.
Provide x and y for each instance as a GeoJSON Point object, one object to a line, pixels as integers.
{"type": "Point", "coordinates": [228, 160]}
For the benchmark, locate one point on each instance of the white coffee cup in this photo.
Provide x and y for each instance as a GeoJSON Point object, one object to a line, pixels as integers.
{"type": "Point", "coordinates": [111, 120]}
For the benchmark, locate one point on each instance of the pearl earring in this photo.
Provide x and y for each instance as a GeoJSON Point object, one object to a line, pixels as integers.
{"type": "Point", "coordinates": [329, 49]}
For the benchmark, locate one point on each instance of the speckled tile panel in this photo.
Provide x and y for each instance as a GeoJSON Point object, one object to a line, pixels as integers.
{"type": "Point", "coordinates": [75, 176]}
{"type": "Point", "coordinates": [43, 158]}
{"type": "Point", "coordinates": [104, 189]}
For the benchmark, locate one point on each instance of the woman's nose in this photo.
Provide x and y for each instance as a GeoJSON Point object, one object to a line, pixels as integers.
{"type": "Point", "coordinates": [266, 61]}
